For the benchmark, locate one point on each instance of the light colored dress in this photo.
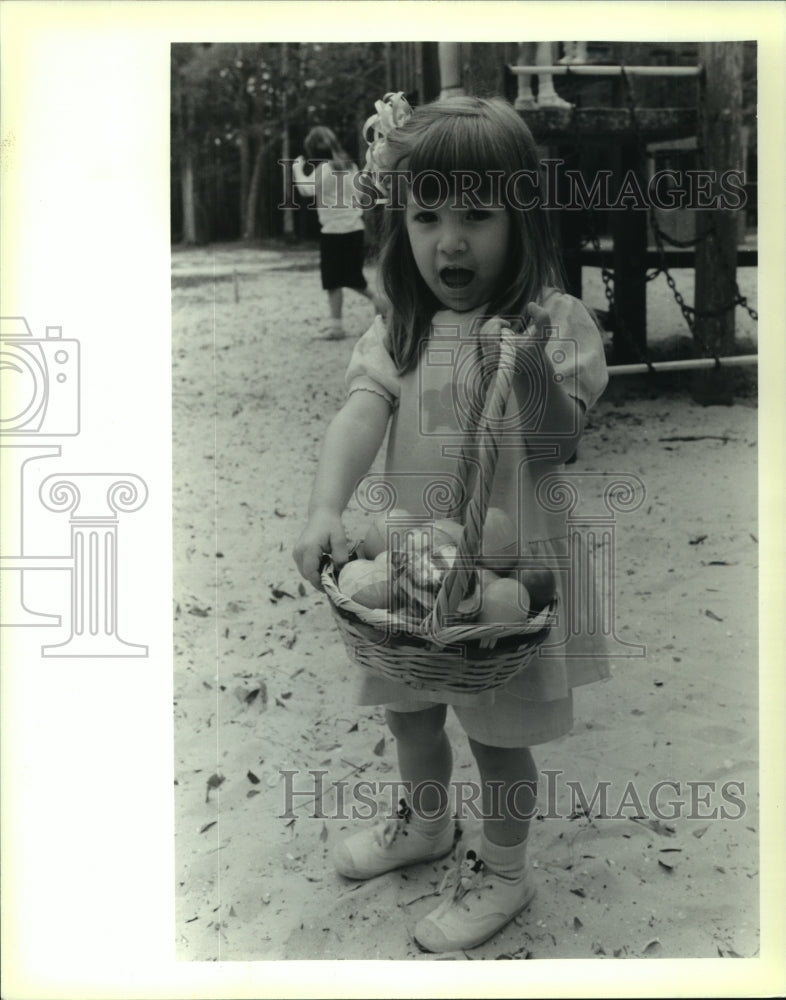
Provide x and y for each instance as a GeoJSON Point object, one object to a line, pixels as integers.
{"type": "Point", "coordinates": [429, 407]}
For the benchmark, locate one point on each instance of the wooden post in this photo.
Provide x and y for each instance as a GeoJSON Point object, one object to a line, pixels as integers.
{"type": "Point", "coordinates": [629, 227]}
{"type": "Point", "coordinates": [720, 150]}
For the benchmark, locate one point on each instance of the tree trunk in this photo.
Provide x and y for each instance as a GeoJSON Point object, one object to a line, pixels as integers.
{"type": "Point", "coordinates": [245, 156]}
{"type": "Point", "coordinates": [716, 255]}
{"type": "Point", "coordinates": [288, 219]}
{"type": "Point", "coordinates": [189, 199]}
{"type": "Point", "coordinates": [251, 228]}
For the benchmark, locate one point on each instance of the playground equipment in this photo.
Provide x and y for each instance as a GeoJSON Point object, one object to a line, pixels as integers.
{"type": "Point", "coordinates": [639, 248]}
{"type": "Point", "coordinates": [714, 253]}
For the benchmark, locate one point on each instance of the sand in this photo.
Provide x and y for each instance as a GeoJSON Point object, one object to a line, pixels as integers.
{"type": "Point", "coordinates": [667, 867]}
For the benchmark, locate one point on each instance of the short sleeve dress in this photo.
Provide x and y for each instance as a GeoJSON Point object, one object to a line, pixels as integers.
{"type": "Point", "coordinates": [429, 407]}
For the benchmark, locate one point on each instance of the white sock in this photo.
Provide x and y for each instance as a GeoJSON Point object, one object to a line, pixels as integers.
{"type": "Point", "coordinates": [430, 826]}
{"type": "Point", "coordinates": [509, 862]}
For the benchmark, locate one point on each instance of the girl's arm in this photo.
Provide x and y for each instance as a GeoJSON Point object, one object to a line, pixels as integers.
{"type": "Point", "coordinates": [305, 183]}
{"type": "Point", "coordinates": [350, 446]}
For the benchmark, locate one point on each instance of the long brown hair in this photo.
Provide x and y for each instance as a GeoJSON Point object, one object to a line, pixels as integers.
{"type": "Point", "coordinates": [460, 134]}
{"type": "Point", "coordinates": [322, 144]}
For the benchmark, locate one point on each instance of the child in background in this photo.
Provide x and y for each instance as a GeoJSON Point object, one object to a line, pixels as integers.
{"type": "Point", "coordinates": [464, 267]}
{"type": "Point", "coordinates": [341, 241]}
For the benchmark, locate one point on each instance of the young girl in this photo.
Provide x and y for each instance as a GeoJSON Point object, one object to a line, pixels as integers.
{"type": "Point", "coordinates": [341, 246]}
{"type": "Point", "coordinates": [456, 270]}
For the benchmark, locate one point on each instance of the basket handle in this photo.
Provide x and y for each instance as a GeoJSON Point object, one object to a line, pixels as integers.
{"type": "Point", "coordinates": [486, 435]}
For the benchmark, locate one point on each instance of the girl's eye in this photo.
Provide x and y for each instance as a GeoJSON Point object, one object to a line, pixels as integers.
{"type": "Point", "coordinates": [478, 214]}
{"type": "Point", "coordinates": [424, 216]}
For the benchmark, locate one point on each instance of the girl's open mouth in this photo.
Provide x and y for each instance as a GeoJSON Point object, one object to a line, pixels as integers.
{"type": "Point", "coordinates": [456, 277]}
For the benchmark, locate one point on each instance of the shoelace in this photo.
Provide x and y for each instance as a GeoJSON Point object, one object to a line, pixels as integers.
{"type": "Point", "coordinates": [388, 831]}
{"type": "Point", "coordinates": [469, 876]}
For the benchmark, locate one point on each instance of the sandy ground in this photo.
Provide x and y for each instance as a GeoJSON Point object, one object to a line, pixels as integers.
{"type": "Point", "coordinates": [263, 684]}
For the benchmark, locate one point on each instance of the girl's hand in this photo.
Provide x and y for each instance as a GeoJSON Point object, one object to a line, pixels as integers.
{"type": "Point", "coordinates": [531, 339]}
{"type": "Point", "coordinates": [324, 534]}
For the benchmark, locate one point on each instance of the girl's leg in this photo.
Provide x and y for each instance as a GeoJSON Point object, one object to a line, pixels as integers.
{"type": "Point", "coordinates": [547, 95]}
{"type": "Point", "coordinates": [525, 99]}
{"type": "Point", "coordinates": [509, 781]}
{"type": "Point", "coordinates": [496, 885]}
{"type": "Point", "coordinates": [425, 758]}
{"type": "Point", "coordinates": [422, 829]}
{"type": "Point", "coordinates": [335, 303]}
{"type": "Point", "coordinates": [367, 293]}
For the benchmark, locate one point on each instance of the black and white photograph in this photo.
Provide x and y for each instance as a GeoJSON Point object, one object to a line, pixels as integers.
{"type": "Point", "coordinates": [314, 820]}
{"type": "Point", "coordinates": [393, 499]}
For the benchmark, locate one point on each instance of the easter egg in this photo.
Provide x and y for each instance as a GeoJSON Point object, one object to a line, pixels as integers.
{"type": "Point", "coordinates": [470, 605]}
{"type": "Point", "coordinates": [356, 574]}
{"type": "Point", "coordinates": [499, 541]}
{"type": "Point", "coordinates": [376, 594]}
{"type": "Point", "coordinates": [382, 562]}
{"type": "Point", "coordinates": [504, 602]}
{"type": "Point", "coordinates": [540, 583]}
{"type": "Point", "coordinates": [376, 539]}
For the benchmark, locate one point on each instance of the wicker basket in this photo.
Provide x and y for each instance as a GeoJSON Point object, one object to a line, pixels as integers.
{"type": "Point", "coordinates": [442, 652]}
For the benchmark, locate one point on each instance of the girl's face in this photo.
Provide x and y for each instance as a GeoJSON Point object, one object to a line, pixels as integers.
{"type": "Point", "coordinates": [461, 253]}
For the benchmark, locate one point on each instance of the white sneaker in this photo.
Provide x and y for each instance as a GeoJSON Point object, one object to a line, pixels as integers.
{"type": "Point", "coordinates": [390, 845]}
{"type": "Point", "coordinates": [553, 101]}
{"type": "Point", "coordinates": [481, 904]}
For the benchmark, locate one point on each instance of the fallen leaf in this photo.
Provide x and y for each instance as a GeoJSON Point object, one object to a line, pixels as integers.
{"type": "Point", "coordinates": [578, 892]}
{"type": "Point", "coordinates": [252, 778]}
{"type": "Point", "coordinates": [653, 948]}
{"type": "Point", "coordinates": [697, 540]}
{"type": "Point", "coordinates": [665, 865]}
{"type": "Point", "coordinates": [711, 614]}
{"type": "Point", "coordinates": [199, 612]}
{"type": "Point", "coordinates": [353, 729]}
{"type": "Point", "coordinates": [323, 833]}
{"type": "Point", "coordinates": [379, 749]}
{"type": "Point", "coordinates": [207, 826]}
{"type": "Point", "coordinates": [577, 924]}
{"type": "Point", "coordinates": [215, 780]}
{"type": "Point", "coordinates": [277, 592]}
{"type": "Point", "coordinates": [301, 590]}
{"type": "Point", "coordinates": [251, 793]}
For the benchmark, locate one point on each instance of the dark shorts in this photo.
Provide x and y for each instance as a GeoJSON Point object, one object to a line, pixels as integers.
{"type": "Point", "coordinates": [341, 260]}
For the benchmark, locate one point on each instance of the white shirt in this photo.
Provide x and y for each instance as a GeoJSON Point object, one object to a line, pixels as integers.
{"type": "Point", "coordinates": [335, 195]}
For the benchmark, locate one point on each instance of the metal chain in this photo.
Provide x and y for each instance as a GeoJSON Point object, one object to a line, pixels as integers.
{"type": "Point", "coordinates": [690, 314]}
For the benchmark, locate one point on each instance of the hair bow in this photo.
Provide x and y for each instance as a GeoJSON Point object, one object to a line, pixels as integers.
{"type": "Point", "coordinates": [391, 113]}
